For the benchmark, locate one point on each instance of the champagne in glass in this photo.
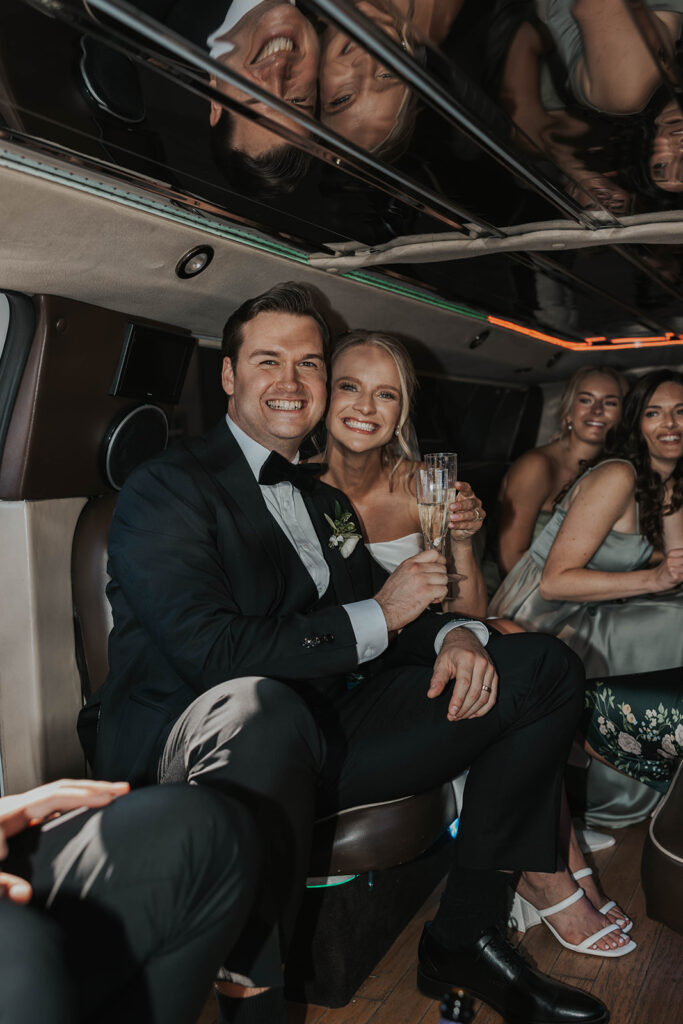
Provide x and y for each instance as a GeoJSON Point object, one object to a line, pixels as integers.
{"type": "Point", "coordinates": [447, 462]}
{"type": "Point", "coordinates": [431, 485]}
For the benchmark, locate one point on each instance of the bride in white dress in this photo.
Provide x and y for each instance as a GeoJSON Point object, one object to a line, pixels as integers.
{"type": "Point", "coordinates": [368, 456]}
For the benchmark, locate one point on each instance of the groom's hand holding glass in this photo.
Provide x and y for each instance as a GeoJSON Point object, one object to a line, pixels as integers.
{"type": "Point", "coordinates": [413, 586]}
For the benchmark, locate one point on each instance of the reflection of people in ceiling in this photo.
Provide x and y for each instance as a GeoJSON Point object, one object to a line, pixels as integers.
{"type": "Point", "coordinates": [665, 160]}
{"type": "Point", "coordinates": [360, 98]}
{"type": "Point", "coordinates": [598, 39]}
{"type": "Point", "coordinates": [527, 87]}
{"type": "Point", "coordinates": [430, 20]}
{"type": "Point", "coordinates": [271, 43]}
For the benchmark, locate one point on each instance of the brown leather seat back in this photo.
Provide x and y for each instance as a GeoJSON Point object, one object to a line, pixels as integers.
{"type": "Point", "coordinates": [92, 614]}
{"type": "Point", "coordinates": [378, 836]}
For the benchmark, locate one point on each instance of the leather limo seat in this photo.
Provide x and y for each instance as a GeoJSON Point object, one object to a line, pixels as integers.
{"type": "Point", "coordinates": [355, 841]}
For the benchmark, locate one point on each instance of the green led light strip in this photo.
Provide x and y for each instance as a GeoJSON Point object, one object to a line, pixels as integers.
{"type": "Point", "coordinates": [426, 299]}
{"type": "Point", "coordinates": [333, 885]}
{"type": "Point", "coordinates": [147, 204]}
{"type": "Point", "coordinates": [212, 226]}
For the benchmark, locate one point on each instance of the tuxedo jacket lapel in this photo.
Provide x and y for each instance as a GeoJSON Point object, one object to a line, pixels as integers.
{"type": "Point", "coordinates": [222, 458]}
{"type": "Point", "coordinates": [349, 577]}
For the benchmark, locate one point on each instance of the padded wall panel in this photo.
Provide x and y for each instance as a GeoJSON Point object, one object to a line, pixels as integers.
{"type": "Point", "coordinates": [40, 692]}
{"type": "Point", "coordinates": [18, 326]}
{"type": "Point", "coordinates": [63, 408]}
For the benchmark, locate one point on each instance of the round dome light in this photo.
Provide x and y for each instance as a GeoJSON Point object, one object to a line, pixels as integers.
{"type": "Point", "coordinates": [194, 261]}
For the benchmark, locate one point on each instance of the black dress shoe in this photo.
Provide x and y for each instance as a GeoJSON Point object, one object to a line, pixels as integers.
{"type": "Point", "coordinates": [492, 970]}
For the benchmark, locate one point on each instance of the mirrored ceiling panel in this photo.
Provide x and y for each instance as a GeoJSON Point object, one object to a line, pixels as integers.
{"type": "Point", "coordinates": [355, 123]}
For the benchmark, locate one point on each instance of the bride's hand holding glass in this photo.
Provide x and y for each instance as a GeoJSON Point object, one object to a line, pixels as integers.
{"type": "Point", "coordinates": [466, 514]}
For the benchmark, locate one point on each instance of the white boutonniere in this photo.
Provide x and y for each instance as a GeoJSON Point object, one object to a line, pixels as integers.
{"type": "Point", "coordinates": [345, 533]}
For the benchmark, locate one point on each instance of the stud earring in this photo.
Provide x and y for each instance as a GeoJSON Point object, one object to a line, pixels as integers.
{"type": "Point", "coordinates": [569, 425]}
{"type": "Point", "coordinates": [397, 432]}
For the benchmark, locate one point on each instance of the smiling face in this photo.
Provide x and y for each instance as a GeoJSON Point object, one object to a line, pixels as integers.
{"type": "Point", "coordinates": [365, 398]}
{"type": "Point", "coordinates": [666, 160]}
{"type": "Point", "coordinates": [277, 387]}
{"type": "Point", "coordinates": [359, 97]}
{"type": "Point", "coordinates": [277, 48]}
{"type": "Point", "coordinates": [596, 408]}
{"type": "Point", "coordinates": [662, 427]}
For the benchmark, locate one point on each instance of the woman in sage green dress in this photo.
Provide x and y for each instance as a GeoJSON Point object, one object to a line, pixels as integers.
{"type": "Point", "coordinates": [589, 408]}
{"type": "Point", "coordinates": [593, 578]}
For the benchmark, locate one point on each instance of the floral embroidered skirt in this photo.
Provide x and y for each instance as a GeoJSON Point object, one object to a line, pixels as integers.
{"type": "Point", "coordinates": [636, 723]}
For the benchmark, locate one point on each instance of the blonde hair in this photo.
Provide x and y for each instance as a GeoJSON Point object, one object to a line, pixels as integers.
{"type": "Point", "coordinates": [397, 141]}
{"type": "Point", "coordinates": [400, 447]}
{"type": "Point", "coordinates": [572, 388]}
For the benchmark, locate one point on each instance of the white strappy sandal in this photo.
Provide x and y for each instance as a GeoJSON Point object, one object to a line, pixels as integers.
{"type": "Point", "coordinates": [583, 873]}
{"type": "Point", "coordinates": [524, 915]}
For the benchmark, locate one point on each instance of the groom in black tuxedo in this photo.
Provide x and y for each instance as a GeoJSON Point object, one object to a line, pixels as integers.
{"type": "Point", "coordinates": [249, 654]}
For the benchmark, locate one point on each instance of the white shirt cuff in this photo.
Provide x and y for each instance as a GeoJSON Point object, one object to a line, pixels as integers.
{"type": "Point", "coordinates": [370, 628]}
{"type": "Point", "coordinates": [478, 628]}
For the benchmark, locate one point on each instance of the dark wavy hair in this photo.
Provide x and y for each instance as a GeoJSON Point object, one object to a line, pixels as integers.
{"type": "Point", "coordinates": [275, 173]}
{"type": "Point", "coordinates": [287, 297]}
{"type": "Point", "coordinates": [628, 443]}
{"type": "Point", "coordinates": [637, 138]}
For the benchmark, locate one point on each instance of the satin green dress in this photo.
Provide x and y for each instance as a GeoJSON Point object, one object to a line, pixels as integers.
{"type": "Point", "coordinates": [632, 650]}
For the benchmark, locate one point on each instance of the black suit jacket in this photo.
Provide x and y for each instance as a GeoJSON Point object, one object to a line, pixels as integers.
{"type": "Point", "coordinates": [205, 587]}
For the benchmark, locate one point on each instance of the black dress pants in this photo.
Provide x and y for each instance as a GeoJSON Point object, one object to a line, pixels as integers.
{"type": "Point", "coordinates": [135, 906]}
{"type": "Point", "coordinates": [381, 740]}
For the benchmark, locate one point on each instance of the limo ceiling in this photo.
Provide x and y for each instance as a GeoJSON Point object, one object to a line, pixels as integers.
{"type": "Point", "coordinates": [485, 255]}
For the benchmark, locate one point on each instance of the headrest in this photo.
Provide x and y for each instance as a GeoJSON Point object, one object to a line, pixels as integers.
{"type": "Point", "coordinates": [92, 613]}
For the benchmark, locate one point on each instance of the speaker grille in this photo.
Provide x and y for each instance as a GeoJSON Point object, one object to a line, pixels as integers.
{"type": "Point", "coordinates": [135, 435]}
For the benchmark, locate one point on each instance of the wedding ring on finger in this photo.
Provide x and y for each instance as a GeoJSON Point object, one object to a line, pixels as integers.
{"type": "Point", "coordinates": [486, 689]}
{"type": "Point", "coordinates": [477, 514]}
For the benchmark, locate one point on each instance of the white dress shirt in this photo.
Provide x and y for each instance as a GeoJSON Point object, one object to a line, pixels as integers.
{"type": "Point", "coordinates": [217, 43]}
{"type": "Point", "coordinates": [288, 509]}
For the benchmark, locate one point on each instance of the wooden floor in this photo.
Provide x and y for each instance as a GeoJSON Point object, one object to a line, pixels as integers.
{"type": "Point", "coordinates": [645, 987]}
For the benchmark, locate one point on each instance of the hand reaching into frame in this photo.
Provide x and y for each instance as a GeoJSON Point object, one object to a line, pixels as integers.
{"type": "Point", "coordinates": [14, 889]}
{"type": "Point", "coordinates": [36, 805]}
{"type": "Point", "coordinates": [24, 809]}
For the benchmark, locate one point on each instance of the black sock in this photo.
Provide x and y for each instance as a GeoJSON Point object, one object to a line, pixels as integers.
{"type": "Point", "coordinates": [473, 902]}
{"type": "Point", "coordinates": [266, 1008]}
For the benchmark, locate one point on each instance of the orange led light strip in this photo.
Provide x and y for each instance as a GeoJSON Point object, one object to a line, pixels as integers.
{"type": "Point", "coordinates": [652, 341]}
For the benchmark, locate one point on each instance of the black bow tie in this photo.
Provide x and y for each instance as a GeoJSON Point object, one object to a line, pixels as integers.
{"type": "Point", "coordinates": [276, 469]}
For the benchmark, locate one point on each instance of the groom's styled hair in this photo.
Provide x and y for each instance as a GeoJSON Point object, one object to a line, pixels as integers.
{"type": "Point", "coordinates": [288, 297]}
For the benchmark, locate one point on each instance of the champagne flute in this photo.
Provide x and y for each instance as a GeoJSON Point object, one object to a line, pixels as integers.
{"type": "Point", "coordinates": [431, 485]}
{"type": "Point", "coordinates": [448, 462]}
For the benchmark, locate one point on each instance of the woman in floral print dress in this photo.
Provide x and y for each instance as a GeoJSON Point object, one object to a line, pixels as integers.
{"type": "Point", "coordinates": [635, 723]}
{"type": "Point", "coordinates": [591, 578]}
